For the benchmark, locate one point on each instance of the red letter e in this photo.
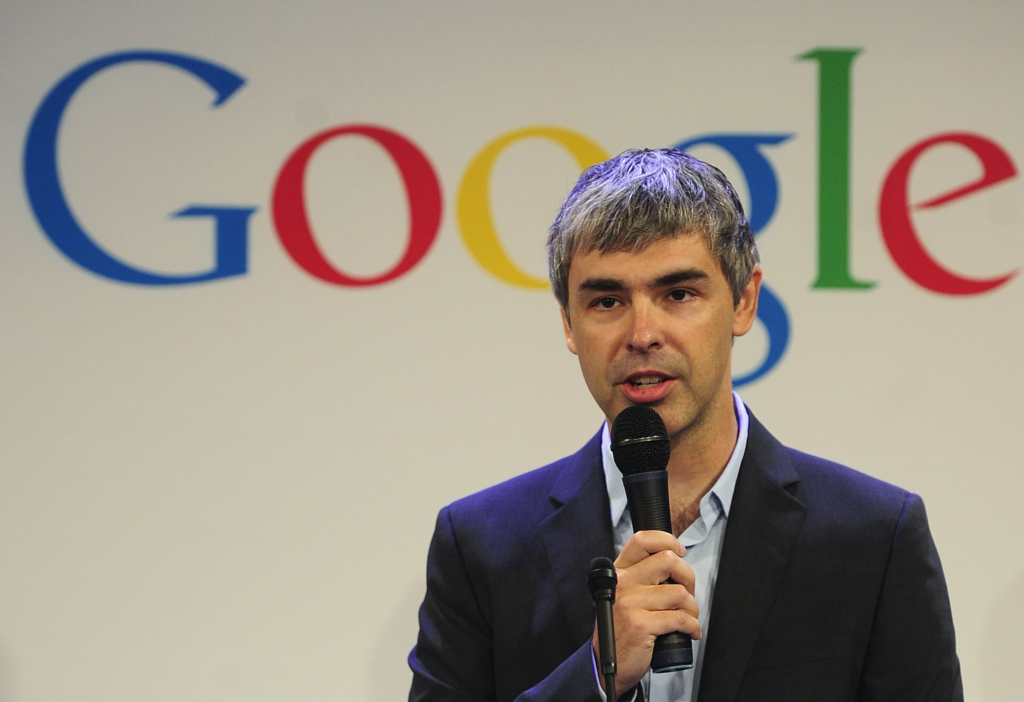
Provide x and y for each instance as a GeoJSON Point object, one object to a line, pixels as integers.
{"type": "Point", "coordinates": [898, 229]}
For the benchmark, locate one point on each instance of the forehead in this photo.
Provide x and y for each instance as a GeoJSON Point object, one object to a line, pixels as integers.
{"type": "Point", "coordinates": [662, 256]}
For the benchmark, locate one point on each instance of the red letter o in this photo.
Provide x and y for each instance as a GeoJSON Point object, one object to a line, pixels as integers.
{"type": "Point", "coordinates": [421, 186]}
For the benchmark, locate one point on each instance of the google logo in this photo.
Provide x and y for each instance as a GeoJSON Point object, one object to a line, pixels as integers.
{"type": "Point", "coordinates": [476, 222]}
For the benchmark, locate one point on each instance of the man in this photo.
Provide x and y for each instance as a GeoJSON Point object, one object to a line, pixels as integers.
{"type": "Point", "coordinates": [798, 579]}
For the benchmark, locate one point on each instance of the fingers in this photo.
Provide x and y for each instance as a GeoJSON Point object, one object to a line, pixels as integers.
{"type": "Point", "coordinates": [658, 601]}
{"type": "Point", "coordinates": [662, 598]}
{"type": "Point", "coordinates": [652, 557]}
{"type": "Point", "coordinates": [677, 620]}
{"type": "Point", "coordinates": [659, 568]}
{"type": "Point", "coordinates": [644, 543]}
{"type": "Point", "coordinates": [647, 624]}
{"type": "Point", "coordinates": [657, 585]}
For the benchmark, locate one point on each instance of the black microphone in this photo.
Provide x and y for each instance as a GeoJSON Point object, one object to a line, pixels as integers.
{"type": "Point", "coordinates": [641, 448]}
{"type": "Point", "coordinates": [602, 580]}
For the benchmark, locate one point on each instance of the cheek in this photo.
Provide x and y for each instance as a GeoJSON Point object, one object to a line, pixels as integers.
{"type": "Point", "coordinates": [591, 366]}
{"type": "Point", "coordinates": [709, 346]}
{"type": "Point", "coordinates": [595, 365]}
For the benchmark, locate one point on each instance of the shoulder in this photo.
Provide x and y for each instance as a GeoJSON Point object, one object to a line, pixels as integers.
{"type": "Point", "coordinates": [851, 507]}
{"type": "Point", "coordinates": [834, 492]}
{"type": "Point", "coordinates": [525, 500]}
{"type": "Point", "coordinates": [834, 481]}
{"type": "Point", "coordinates": [512, 494]}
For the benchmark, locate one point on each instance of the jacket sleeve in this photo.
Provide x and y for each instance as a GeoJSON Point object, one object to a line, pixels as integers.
{"type": "Point", "coordinates": [454, 655]}
{"type": "Point", "coordinates": [912, 652]}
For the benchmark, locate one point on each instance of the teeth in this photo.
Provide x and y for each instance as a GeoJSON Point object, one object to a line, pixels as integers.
{"type": "Point", "coordinates": [646, 381]}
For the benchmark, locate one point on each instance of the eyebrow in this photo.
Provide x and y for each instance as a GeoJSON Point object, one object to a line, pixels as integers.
{"type": "Point", "coordinates": [684, 275]}
{"type": "Point", "coordinates": [602, 284]}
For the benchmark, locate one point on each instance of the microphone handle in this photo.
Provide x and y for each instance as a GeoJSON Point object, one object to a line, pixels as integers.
{"type": "Point", "coordinates": [606, 636]}
{"type": "Point", "coordinates": [647, 494]}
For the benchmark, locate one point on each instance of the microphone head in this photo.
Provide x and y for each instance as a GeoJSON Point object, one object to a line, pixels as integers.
{"type": "Point", "coordinates": [602, 578]}
{"type": "Point", "coordinates": [640, 440]}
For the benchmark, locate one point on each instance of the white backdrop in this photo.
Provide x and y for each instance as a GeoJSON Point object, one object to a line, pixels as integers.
{"type": "Point", "coordinates": [225, 491]}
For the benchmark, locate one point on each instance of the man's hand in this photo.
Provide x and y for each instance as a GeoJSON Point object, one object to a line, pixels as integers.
{"type": "Point", "coordinates": [644, 607]}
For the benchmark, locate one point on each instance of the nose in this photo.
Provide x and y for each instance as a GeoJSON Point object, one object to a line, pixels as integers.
{"type": "Point", "coordinates": [644, 331]}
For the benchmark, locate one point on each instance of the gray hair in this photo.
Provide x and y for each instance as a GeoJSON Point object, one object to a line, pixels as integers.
{"type": "Point", "coordinates": [643, 196]}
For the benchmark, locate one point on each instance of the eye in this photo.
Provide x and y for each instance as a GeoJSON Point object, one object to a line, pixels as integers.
{"type": "Point", "coordinates": [680, 295]}
{"type": "Point", "coordinates": [605, 303]}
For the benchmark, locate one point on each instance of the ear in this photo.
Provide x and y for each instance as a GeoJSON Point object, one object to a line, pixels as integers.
{"type": "Point", "coordinates": [746, 310]}
{"type": "Point", "coordinates": [567, 328]}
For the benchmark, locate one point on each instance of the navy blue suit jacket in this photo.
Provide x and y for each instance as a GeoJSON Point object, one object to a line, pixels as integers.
{"type": "Point", "coordinates": [829, 588]}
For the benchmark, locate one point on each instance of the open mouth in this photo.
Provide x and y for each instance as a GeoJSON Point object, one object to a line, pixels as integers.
{"type": "Point", "coordinates": [647, 381]}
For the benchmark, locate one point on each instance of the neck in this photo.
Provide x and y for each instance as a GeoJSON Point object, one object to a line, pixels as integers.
{"type": "Point", "coordinates": [699, 456]}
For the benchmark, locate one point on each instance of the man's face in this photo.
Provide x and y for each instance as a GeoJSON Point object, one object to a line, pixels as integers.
{"type": "Point", "coordinates": [656, 328]}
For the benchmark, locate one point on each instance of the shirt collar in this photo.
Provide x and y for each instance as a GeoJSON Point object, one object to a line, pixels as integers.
{"type": "Point", "coordinates": [722, 489]}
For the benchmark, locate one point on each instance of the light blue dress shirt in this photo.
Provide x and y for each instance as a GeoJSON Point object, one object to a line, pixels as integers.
{"type": "Point", "coordinates": [703, 542]}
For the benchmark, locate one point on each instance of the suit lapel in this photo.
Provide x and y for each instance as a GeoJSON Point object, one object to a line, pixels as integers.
{"type": "Point", "coordinates": [578, 530]}
{"type": "Point", "coordinates": [764, 521]}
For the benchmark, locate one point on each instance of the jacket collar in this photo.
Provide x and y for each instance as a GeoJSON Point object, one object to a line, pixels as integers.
{"type": "Point", "coordinates": [577, 531]}
{"type": "Point", "coordinates": [759, 540]}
